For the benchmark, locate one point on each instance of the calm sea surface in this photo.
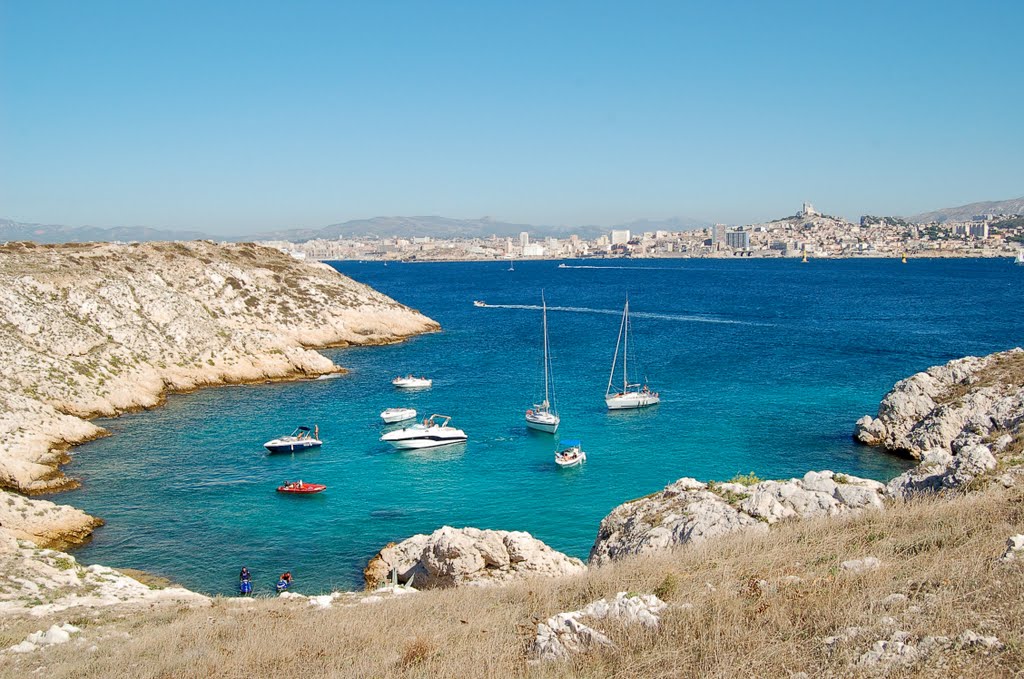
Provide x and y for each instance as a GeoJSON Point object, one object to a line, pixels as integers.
{"type": "Point", "coordinates": [763, 366]}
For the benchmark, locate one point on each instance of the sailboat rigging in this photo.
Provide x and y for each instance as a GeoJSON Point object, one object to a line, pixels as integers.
{"type": "Point", "coordinates": [542, 416]}
{"type": "Point", "coordinates": [633, 395]}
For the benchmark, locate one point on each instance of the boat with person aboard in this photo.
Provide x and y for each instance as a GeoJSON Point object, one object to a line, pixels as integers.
{"type": "Point", "coordinates": [431, 433]}
{"type": "Point", "coordinates": [301, 488]}
{"type": "Point", "coordinates": [300, 439]}
{"type": "Point", "coordinates": [633, 394]}
{"type": "Point", "coordinates": [479, 303]}
{"type": "Point", "coordinates": [410, 382]}
{"type": "Point", "coordinates": [570, 455]}
{"type": "Point", "coordinates": [393, 415]}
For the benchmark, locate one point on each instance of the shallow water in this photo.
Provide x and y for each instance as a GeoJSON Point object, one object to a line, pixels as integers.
{"type": "Point", "coordinates": [763, 366]}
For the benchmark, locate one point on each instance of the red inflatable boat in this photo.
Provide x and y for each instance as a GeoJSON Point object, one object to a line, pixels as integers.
{"type": "Point", "coordinates": [301, 488]}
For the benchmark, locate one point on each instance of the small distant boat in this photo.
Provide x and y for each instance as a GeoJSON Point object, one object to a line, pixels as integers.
{"type": "Point", "coordinates": [429, 434]}
{"type": "Point", "coordinates": [542, 416]}
{"type": "Point", "coordinates": [804, 259]}
{"type": "Point", "coordinates": [571, 455]}
{"type": "Point", "coordinates": [633, 395]}
{"type": "Point", "coordinates": [301, 488]}
{"type": "Point", "coordinates": [904, 260]}
{"type": "Point", "coordinates": [392, 415]}
{"type": "Point", "coordinates": [1020, 257]}
{"type": "Point", "coordinates": [563, 265]}
{"type": "Point", "coordinates": [511, 265]}
{"type": "Point", "coordinates": [479, 302]}
{"type": "Point", "coordinates": [410, 382]}
{"type": "Point", "coordinates": [298, 440]}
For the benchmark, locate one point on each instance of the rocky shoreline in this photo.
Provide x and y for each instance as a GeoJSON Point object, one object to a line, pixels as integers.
{"type": "Point", "coordinates": [102, 329]}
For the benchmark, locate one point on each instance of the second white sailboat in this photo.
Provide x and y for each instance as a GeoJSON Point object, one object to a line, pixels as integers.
{"type": "Point", "coordinates": [633, 395]}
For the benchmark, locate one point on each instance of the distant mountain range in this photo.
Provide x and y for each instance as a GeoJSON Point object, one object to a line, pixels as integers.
{"type": "Point", "coordinates": [377, 227]}
{"type": "Point", "coordinates": [55, 233]}
{"type": "Point", "coordinates": [965, 212]}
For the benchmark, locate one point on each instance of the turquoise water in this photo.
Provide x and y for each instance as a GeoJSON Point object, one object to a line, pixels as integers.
{"type": "Point", "coordinates": [763, 366]}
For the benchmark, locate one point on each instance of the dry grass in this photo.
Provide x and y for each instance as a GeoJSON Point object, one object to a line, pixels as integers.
{"type": "Point", "coordinates": [939, 553]}
{"type": "Point", "coordinates": [1006, 369]}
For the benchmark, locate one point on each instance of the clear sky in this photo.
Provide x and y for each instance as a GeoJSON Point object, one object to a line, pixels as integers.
{"type": "Point", "coordinates": [235, 117]}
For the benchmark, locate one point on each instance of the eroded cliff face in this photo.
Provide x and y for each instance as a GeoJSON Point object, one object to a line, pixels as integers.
{"type": "Point", "coordinates": [99, 329]}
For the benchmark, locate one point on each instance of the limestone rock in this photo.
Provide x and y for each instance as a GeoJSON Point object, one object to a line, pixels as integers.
{"type": "Point", "coordinates": [976, 395]}
{"type": "Point", "coordinates": [865, 565]}
{"type": "Point", "coordinates": [449, 557]}
{"type": "Point", "coordinates": [1014, 549]}
{"type": "Point", "coordinates": [690, 511]}
{"type": "Point", "coordinates": [939, 471]}
{"type": "Point", "coordinates": [563, 635]}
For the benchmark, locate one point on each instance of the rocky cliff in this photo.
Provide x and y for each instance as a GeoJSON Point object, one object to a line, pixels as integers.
{"type": "Point", "coordinates": [100, 329]}
{"type": "Point", "coordinates": [964, 402]}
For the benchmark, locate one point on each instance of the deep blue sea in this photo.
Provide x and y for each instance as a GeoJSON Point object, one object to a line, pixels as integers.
{"type": "Point", "coordinates": [763, 366]}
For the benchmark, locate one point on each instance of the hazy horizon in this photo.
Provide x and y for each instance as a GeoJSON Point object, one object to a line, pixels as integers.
{"type": "Point", "coordinates": [232, 118]}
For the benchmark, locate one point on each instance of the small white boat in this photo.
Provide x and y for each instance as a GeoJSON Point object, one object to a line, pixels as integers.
{"type": "Point", "coordinates": [571, 455]}
{"type": "Point", "coordinates": [392, 415]}
{"type": "Point", "coordinates": [1020, 258]}
{"type": "Point", "coordinates": [479, 302]}
{"type": "Point", "coordinates": [542, 417]}
{"type": "Point", "coordinates": [298, 440]}
{"type": "Point", "coordinates": [410, 382]}
{"type": "Point", "coordinates": [633, 395]}
{"type": "Point", "coordinates": [563, 265]}
{"type": "Point", "coordinates": [428, 434]}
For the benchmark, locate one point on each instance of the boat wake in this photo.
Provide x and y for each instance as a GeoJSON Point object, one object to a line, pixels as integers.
{"type": "Point", "coordinates": [630, 268]}
{"type": "Point", "coordinates": [685, 318]}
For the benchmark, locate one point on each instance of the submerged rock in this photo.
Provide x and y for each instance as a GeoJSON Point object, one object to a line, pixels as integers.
{"type": "Point", "coordinates": [450, 557]}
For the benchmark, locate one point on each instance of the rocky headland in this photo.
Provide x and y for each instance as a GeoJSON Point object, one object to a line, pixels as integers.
{"type": "Point", "coordinates": [100, 329]}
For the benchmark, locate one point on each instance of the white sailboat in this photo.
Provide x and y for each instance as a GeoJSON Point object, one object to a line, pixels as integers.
{"type": "Point", "coordinates": [1020, 257]}
{"type": "Point", "coordinates": [511, 265]}
{"type": "Point", "coordinates": [542, 416]}
{"type": "Point", "coordinates": [634, 395]}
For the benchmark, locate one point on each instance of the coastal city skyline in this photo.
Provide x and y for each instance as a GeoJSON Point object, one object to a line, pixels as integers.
{"type": "Point", "coordinates": [215, 119]}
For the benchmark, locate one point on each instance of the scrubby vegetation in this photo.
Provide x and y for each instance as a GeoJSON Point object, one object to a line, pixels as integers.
{"type": "Point", "coordinates": [742, 605]}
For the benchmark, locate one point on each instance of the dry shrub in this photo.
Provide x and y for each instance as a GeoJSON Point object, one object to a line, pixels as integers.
{"type": "Point", "coordinates": [416, 651]}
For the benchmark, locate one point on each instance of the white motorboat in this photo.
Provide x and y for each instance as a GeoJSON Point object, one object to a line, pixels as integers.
{"type": "Point", "coordinates": [1020, 258]}
{"type": "Point", "coordinates": [571, 455]}
{"type": "Point", "coordinates": [542, 416]}
{"type": "Point", "coordinates": [392, 415]}
{"type": "Point", "coordinates": [299, 440]}
{"type": "Point", "coordinates": [410, 382]}
{"type": "Point", "coordinates": [428, 434]}
{"type": "Point", "coordinates": [632, 395]}
{"type": "Point", "coordinates": [479, 302]}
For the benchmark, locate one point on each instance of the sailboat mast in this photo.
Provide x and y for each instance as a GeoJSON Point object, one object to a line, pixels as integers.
{"type": "Point", "coordinates": [618, 342]}
{"type": "Point", "coordinates": [625, 346]}
{"type": "Point", "coordinates": [545, 305]}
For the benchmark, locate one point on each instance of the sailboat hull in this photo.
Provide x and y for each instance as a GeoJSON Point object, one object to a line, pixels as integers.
{"type": "Point", "coordinates": [631, 400]}
{"type": "Point", "coordinates": [542, 422]}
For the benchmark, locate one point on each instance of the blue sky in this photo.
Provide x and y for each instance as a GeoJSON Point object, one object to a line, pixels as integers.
{"type": "Point", "coordinates": [235, 117]}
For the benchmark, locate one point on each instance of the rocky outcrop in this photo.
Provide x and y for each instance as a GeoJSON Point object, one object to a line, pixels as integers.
{"type": "Point", "coordinates": [100, 329]}
{"type": "Point", "coordinates": [44, 523]}
{"type": "Point", "coordinates": [969, 398]}
{"type": "Point", "coordinates": [940, 470]}
{"type": "Point", "coordinates": [39, 582]}
{"type": "Point", "coordinates": [689, 511]}
{"type": "Point", "coordinates": [562, 635]}
{"type": "Point", "coordinates": [449, 557]}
